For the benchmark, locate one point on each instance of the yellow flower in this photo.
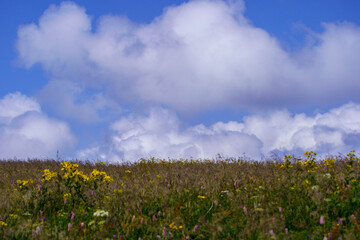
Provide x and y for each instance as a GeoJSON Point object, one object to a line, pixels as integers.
{"type": "Point", "coordinates": [3, 224]}
{"type": "Point", "coordinates": [48, 175]}
{"type": "Point", "coordinates": [67, 195]}
{"type": "Point", "coordinates": [24, 184]}
{"type": "Point", "coordinates": [201, 197]}
{"type": "Point", "coordinates": [108, 179]}
{"type": "Point", "coordinates": [118, 191]}
{"type": "Point", "coordinates": [173, 226]}
{"type": "Point", "coordinates": [127, 171]}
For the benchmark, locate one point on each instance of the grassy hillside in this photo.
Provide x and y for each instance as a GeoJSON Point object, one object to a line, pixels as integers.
{"type": "Point", "coordinates": [156, 199]}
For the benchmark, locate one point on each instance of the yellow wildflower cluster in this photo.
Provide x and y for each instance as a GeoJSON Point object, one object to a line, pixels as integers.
{"type": "Point", "coordinates": [48, 175]}
{"type": "Point", "coordinates": [3, 224]}
{"type": "Point", "coordinates": [69, 167]}
{"type": "Point", "coordinates": [24, 184]}
{"type": "Point", "coordinates": [201, 197]}
{"type": "Point", "coordinates": [287, 162]}
{"type": "Point", "coordinates": [96, 174]}
{"type": "Point", "coordinates": [351, 158]}
{"type": "Point", "coordinates": [173, 226]}
{"type": "Point", "coordinates": [118, 191]}
{"type": "Point", "coordinates": [329, 162]}
{"type": "Point", "coordinates": [61, 213]}
{"type": "Point", "coordinates": [67, 195]}
{"type": "Point", "coordinates": [71, 171]}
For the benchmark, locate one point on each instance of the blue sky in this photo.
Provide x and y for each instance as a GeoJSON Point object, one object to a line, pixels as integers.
{"type": "Point", "coordinates": [121, 80]}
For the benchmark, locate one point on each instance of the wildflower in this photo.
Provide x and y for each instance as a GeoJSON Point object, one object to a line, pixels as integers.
{"type": "Point", "coordinates": [325, 238]}
{"type": "Point", "coordinates": [201, 197]}
{"type": "Point", "coordinates": [245, 210]}
{"type": "Point", "coordinates": [164, 232]}
{"type": "Point", "coordinates": [286, 231]}
{"type": "Point", "coordinates": [127, 171]}
{"type": "Point", "coordinates": [3, 224]}
{"type": "Point", "coordinates": [82, 224]}
{"type": "Point", "coordinates": [41, 213]}
{"type": "Point", "coordinates": [153, 218]}
{"type": "Point", "coordinates": [108, 179]}
{"type": "Point", "coordinates": [48, 175]}
{"type": "Point", "coordinates": [39, 187]}
{"type": "Point", "coordinates": [322, 221]}
{"type": "Point", "coordinates": [118, 191]}
{"type": "Point", "coordinates": [196, 227]}
{"type": "Point", "coordinates": [69, 227]}
{"type": "Point", "coordinates": [38, 231]}
{"type": "Point", "coordinates": [101, 213]}
{"type": "Point", "coordinates": [159, 213]}
{"type": "Point", "coordinates": [72, 216]}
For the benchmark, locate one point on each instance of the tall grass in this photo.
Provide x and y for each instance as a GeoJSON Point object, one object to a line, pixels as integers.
{"type": "Point", "coordinates": [157, 199]}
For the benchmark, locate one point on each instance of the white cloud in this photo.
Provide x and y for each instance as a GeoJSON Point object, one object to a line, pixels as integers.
{"type": "Point", "coordinates": [197, 56]}
{"type": "Point", "coordinates": [160, 134]}
{"type": "Point", "coordinates": [15, 104]}
{"type": "Point", "coordinates": [70, 101]}
{"type": "Point", "coordinates": [27, 133]}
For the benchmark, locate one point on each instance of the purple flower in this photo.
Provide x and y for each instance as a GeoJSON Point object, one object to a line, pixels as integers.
{"type": "Point", "coordinates": [322, 221]}
{"type": "Point", "coordinates": [286, 231]}
{"type": "Point", "coordinates": [41, 213]}
{"type": "Point", "coordinates": [38, 231]}
{"type": "Point", "coordinates": [72, 216]}
{"type": "Point", "coordinates": [65, 201]}
{"type": "Point", "coordinates": [69, 227]}
{"type": "Point", "coordinates": [39, 187]}
{"type": "Point", "coordinates": [82, 224]}
{"type": "Point", "coordinates": [245, 210]}
{"type": "Point", "coordinates": [153, 218]}
{"type": "Point", "coordinates": [164, 232]}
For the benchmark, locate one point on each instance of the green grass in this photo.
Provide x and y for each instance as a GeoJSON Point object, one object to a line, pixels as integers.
{"type": "Point", "coordinates": [158, 199]}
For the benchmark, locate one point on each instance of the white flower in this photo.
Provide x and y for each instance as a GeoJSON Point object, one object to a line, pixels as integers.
{"type": "Point", "coordinates": [101, 213]}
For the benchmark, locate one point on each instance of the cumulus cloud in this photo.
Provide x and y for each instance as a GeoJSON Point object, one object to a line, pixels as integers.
{"type": "Point", "coordinates": [25, 132]}
{"type": "Point", "coordinates": [160, 134]}
{"type": "Point", "coordinates": [200, 55]}
{"type": "Point", "coordinates": [70, 101]}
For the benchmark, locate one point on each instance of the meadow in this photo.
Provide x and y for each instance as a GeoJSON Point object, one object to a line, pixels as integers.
{"type": "Point", "coordinates": [289, 198]}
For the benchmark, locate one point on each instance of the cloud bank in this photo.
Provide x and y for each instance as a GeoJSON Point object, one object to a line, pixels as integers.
{"type": "Point", "coordinates": [199, 56]}
{"type": "Point", "coordinates": [160, 134]}
{"type": "Point", "coordinates": [25, 132]}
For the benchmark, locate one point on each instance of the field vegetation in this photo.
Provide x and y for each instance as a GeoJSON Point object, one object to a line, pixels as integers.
{"type": "Point", "coordinates": [289, 198]}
